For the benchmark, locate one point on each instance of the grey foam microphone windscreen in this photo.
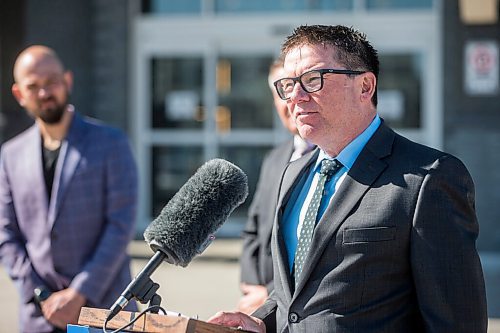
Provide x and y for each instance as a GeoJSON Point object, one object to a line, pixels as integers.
{"type": "Point", "coordinates": [197, 211]}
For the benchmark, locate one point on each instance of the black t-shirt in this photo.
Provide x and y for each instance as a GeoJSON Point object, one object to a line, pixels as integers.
{"type": "Point", "coordinates": [49, 167]}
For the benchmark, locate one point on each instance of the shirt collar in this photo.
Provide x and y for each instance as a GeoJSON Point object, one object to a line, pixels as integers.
{"type": "Point", "coordinates": [301, 144]}
{"type": "Point", "coordinates": [350, 153]}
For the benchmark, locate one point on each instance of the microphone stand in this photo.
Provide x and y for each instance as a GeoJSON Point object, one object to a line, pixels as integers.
{"type": "Point", "coordinates": [142, 288]}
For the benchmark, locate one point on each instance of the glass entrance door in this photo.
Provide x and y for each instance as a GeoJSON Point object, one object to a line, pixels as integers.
{"type": "Point", "coordinates": [196, 102]}
{"type": "Point", "coordinates": [186, 132]}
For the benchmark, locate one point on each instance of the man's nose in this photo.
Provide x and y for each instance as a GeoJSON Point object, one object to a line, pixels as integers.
{"type": "Point", "coordinates": [298, 93]}
{"type": "Point", "coordinates": [44, 92]}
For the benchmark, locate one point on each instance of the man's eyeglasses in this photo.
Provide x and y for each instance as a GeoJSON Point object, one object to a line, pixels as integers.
{"type": "Point", "coordinates": [310, 81]}
{"type": "Point", "coordinates": [34, 88]}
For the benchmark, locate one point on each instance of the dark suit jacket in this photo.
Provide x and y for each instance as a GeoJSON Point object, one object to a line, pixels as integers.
{"type": "Point", "coordinates": [79, 238]}
{"type": "Point", "coordinates": [394, 251]}
{"type": "Point", "coordinates": [256, 261]}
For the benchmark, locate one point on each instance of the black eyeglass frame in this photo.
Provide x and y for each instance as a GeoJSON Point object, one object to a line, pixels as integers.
{"type": "Point", "coordinates": [321, 73]}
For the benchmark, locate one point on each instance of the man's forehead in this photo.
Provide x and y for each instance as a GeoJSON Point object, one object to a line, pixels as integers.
{"type": "Point", "coordinates": [308, 56]}
{"type": "Point", "coordinates": [33, 64]}
{"type": "Point", "coordinates": [39, 70]}
{"type": "Point", "coordinates": [307, 50]}
{"type": "Point", "coordinates": [277, 73]}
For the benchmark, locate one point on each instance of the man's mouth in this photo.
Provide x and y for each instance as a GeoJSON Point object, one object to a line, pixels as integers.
{"type": "Point", "coordinates": [47, 102]}
{"type": "Point", "coordinates": [303, 113]}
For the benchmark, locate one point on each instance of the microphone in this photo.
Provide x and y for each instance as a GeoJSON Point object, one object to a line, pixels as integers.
{"type": "Point", "coordinates": [186, 224]}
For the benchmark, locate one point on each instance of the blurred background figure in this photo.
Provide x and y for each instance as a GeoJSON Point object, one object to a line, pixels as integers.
{"type": "Point", "coordinates": [68, 193]}
{"type": "Point", "coordinates": [256, 262]}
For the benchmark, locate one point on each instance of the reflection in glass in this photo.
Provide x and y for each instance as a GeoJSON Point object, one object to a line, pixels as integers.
{"type": "Point", "coordinates": [172, 6]}
{"type": "Point", "coordinates": [238, 6]}
{"type": "Point", "coordinates": [228, 6]}
{"type": "Point", "coordinates": [177, 85]}
{"type": "Point", "coordinates": [249, 159]}
{"type": "Point", "coordinates": [172, 167]}
{"type": "Point", "coordinates": [399, 90]}
{"type": "Point", "coordinates": [248, 6]}
{"type": "Point", "coordinates": [243, 92]}
{"type": "Point", "coordinates": [399, 4]}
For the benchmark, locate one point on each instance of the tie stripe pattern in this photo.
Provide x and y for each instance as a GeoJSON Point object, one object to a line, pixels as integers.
{"type": "Point", "coordinates": [328, 168]}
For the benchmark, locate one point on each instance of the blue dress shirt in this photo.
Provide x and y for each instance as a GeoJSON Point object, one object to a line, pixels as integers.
{"type": "Point", "coordinates": [296, 207]}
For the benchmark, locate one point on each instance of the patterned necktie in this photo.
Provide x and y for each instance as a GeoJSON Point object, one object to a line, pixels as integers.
{"type": "Point", "coordinates": [328, 168]}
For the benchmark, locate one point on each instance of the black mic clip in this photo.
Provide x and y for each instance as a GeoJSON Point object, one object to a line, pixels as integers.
{"type": "Point", "coordinates": [144, 292]}
{"type": "Point", "coordinates": [142, 288]}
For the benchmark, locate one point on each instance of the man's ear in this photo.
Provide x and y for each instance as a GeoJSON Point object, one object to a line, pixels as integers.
{"type": "Point", "coordinates": [368, 84]}
{"type": "Point", "coordinates": [16, 91]}
{"type": "Point", "coordinates": [68, 79]}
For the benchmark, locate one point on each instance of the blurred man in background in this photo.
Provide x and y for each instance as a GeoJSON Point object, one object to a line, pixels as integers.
{"type": "Point", "coordinates": [68, 197]}
{"type": "Point", "coordinates": [256, 261]}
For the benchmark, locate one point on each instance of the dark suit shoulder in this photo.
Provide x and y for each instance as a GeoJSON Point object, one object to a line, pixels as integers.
{"type": "Point", "coordinates": [275, 161]}
{"type": "Point", "coordinates": [422, 156]}
{"type": "Point", "coordinates": [86, 129]}
{"type": "Point", "coordinates": [281, 153]}
{"type": "Point", "coordinates": [387, 142]}
{"type": "Point", "coordinates": [100, 129]}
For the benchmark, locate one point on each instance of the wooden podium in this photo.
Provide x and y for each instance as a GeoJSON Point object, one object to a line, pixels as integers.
{"type": "Point", "coordinates": [91, 320]}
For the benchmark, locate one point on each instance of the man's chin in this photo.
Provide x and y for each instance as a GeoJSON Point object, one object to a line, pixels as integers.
{"type": "Point", "coordinates": [309, 133]}
{"type": "Point", "coordinates": [53, 116]}
{"type": "Point", "coordinates": [306, 130]}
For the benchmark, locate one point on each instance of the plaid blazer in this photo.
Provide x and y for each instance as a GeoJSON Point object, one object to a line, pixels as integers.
{"type": "Point", "coordinates": [79, 237]}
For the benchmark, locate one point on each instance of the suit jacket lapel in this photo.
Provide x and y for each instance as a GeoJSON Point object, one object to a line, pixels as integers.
{"type": "Point", "coordinates": [34, 175]}
{"type": "Point", "coordinates": [294, 174]}
{"type": "Point", "coordinates": [280, 162]}
{"type": "Point", "coordinates": [368, 166]}
{"type": "Point", "coordinates": [69, 157]}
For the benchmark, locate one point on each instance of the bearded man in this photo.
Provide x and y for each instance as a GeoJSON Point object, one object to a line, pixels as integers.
{"type": "Point", "coordinates": [68, 197]}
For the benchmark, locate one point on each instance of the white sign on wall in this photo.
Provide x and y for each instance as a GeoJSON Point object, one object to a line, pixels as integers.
{"type": "Point", "coordinates": [391, 104]}
{"type": "Point", "coordinates": [181, 105]}
{"type": "Point", "coordinates": [481, 68]}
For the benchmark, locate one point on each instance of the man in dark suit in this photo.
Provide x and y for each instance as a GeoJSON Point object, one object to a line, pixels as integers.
{"type": "Point", "coordinates": [373, 232]}
{"type": "Point", "coordinates": [256, 261]}
{"type": "Point", "coordinates": [68, 193]}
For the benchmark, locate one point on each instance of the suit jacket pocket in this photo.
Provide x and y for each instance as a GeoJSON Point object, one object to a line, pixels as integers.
{"type": "Point", "coordinates": [365, 235]}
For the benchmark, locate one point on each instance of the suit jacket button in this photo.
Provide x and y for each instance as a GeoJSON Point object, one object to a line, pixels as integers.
{"type": "Point", "coordinates": [293, 317]}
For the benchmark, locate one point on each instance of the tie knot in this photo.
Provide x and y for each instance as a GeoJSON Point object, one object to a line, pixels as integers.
{"type": "Point", "coordinates": [329, 167]}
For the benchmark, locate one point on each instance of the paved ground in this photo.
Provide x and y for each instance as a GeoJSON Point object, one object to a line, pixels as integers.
{"type": "Point", "coordinates": [208, 284]}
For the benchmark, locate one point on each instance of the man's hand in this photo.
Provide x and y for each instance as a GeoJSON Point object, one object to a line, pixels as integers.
{"type": "Point", "coordinates": [238, 320]}
{"type": "Point", "coordinates": [253, 297]}
{"type": "Point", "coordinates": [63, 307]}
